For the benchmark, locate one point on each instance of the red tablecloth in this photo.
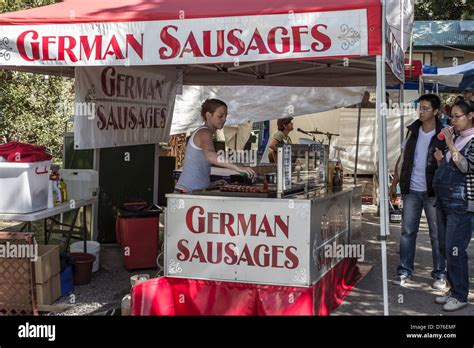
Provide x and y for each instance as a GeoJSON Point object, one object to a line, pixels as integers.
{"type": "Point", "coordinates": [178, 296]}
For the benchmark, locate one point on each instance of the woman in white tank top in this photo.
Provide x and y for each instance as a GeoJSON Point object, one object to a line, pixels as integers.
{"type": "Point", "coordinates": [200, 152]}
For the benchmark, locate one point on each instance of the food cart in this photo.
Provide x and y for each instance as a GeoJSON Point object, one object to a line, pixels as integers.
{"type": "Point", "coordinates": [283, 232]}
{"type": "Point", "coordinates": [282, 43]}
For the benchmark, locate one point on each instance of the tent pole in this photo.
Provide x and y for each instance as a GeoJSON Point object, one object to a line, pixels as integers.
{"type": "Point", "coordinates": [95, 206]}
{"type": "Point", "coordinates": [382, 156]}
{"type": "Point", "coordinates": [357, 144]}
{"type": "Point", "coordinates": [402, 112]}
{"type": "Point", "coordinates": [402, 85]}
{"type": "Point", "coordinates": [156, 168]}
{"type": "Point", "coordinates": [411, 53]}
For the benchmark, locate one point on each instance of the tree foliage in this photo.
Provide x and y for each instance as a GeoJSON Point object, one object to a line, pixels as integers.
{"type": "Point", "coordinates": [444, 9]}
{"type": "Point", "coordinates": [17, 5]}
{"type": "Point", "coordinates": [34, 108]}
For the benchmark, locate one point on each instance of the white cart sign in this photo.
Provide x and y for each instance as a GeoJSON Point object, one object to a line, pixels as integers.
{"type": "Point", "coordinates": [238, 240]}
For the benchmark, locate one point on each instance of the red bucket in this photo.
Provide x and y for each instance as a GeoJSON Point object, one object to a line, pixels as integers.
{"type": "Point", "coordinates": [83, 269]}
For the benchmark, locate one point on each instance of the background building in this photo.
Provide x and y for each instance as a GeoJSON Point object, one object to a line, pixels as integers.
{"type": "Point", "coordinates": [441, 43]}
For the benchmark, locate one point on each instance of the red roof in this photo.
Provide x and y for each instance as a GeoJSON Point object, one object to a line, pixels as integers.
{"type": "Point", "coordinates": [86, 11]}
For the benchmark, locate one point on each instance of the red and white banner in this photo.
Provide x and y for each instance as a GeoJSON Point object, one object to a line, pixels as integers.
{"type": "Point", "coordinates": [117, 106]}
{"type": "Point", "coordinates": [189, 41]}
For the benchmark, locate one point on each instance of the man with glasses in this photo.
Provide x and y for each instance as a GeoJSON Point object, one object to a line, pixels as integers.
{"type": "Point", "coordinates": [417, 165]}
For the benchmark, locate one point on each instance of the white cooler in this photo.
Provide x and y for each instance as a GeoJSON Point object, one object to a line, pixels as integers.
{"type": "Point", "coordinates": [24, 187]}
{"type": "Point", "coordinates": [81, 184]}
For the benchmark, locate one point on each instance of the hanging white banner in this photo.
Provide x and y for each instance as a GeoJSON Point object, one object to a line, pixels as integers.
{"type": "Point", "coordinates": [395, 56]}
{"type": "Point", "coordinates": [260, 103]}
{"type": "Point", "coordinates": [190, 41]}
{"type": "Point", "coordinates": [118, 106]}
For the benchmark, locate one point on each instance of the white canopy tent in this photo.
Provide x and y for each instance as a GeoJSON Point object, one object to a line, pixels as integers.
{"type": "Point", "coordinates": [458, 69]}
{"type": "Point", "coordinates": [449, 77]}
{"type": "Point", "coordinates": [452, 80]}
{"type": "Point", "coordinates": [344, 121]}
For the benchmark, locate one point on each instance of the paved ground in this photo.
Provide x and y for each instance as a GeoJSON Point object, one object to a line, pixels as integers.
{"type": "Point", "coordinates": [367, 297]}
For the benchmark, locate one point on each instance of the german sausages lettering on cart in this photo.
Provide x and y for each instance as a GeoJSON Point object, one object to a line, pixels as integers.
{"type": "Point", "coordinates": [235, 226]}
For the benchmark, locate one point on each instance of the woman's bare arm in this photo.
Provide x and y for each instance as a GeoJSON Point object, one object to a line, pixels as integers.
{"type": "Point", "coordinates": [203, 139]}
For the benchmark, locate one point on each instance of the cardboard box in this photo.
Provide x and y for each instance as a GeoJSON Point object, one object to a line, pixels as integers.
{"type": "Point", "coordinates": [48, 264]}
{"type": "Point", "coordinates": [47, 277]}
{"type": "Point", "coordinates": [50, 291]}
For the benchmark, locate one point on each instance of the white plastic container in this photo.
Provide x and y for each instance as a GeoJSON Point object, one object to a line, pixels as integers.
{"type": "Point", "coordinates": [24, 187]}
{"type": "Point", "coordinates": [81, 184]}
{"type": "Point", "coordinates": [126, 300]}
{"type": "Point", "coordinates": [92, 248]}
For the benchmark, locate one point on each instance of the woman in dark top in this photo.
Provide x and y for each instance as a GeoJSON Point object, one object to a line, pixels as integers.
{"type": "Point", "coordinates": [454, 188]}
